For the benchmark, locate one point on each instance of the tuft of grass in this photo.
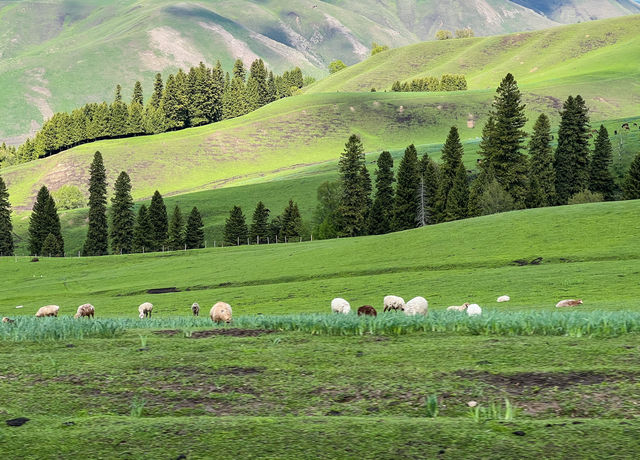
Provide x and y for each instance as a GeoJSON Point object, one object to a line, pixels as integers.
{"type": "Point", "coordinates": [431, 406]}
{"type": "Point", "coordinates": [137, 407]}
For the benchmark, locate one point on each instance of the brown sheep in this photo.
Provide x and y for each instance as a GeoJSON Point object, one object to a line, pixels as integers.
{"type": "Point", "coordinates": [569, 303]}
{"type": "Point", "coordinates": [221, 312]}
{"type": "Point", "coordinates": [48, 310]}
{"type": "Point", "coordinates": [367, 310]}
{"type": "Point", "coordinates": [85, 311]}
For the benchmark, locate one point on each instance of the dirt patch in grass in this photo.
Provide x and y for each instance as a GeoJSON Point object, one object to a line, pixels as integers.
{"type": "Point", "coordinates": [163, 290]}
{"type": "Point", "coordinates": [230, 333]}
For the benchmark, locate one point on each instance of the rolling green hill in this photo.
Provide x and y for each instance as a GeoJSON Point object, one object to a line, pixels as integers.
{"type": "Point", "coordinates": [60, 54]}
{"type": "Point", "coordinates": [588, 251]}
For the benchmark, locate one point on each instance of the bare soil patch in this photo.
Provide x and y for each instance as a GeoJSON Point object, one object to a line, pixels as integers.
{"type": "Point", "coordinates": [230, 333]}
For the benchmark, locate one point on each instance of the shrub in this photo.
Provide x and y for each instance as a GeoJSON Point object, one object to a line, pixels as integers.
{"type": "Point", "coordinates": [336, 66]}
{"type": "Point", "coordinates": [495, 199]}
{"type": "Point", "coordinates": [443, 35]}
{"type": "Point", "coordinates": [69, 197]}
{"type": "Point", "coordinates": [586, 196]}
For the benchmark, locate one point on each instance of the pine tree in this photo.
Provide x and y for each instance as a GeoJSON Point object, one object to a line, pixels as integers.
{"type": "Point", "coordinates": [96, 243]}
{"type": "Point", "coordinates": [137, 94]}
{"type": "Point", "coordinates": [159, 222]}
{"type": "Point", "coordinates": [406, 202]}
{"type": "Point", "coordinates": [452, 153]}
{"type": "Point", "coordinates": [176, 230]}
{"type": "Point", "coordinates": [325, 216]}
{"type": "Point", "coordinates": [258, 73]}
{"type": "Point", "coordinates": [365, 181]}
{"type": "Point", "coordinates": [238, 70]}
{"type": "Point", "coordinates": [632, 181]}
{"type": "Point", "coordinates": [118, 115]}
{"type": "Point", "coordinates": [600, 177]}
{"type": "Point", "coordinates": [122, 217]}
{"type": "Point", "coordinates": [478, 189]}
{"type": "Point", "coordinates": [260, 224]}
{"type": "Point", "coordinates": [487, 145]}
{"type": "Point", "coordinates": [352, 208]}
{"type": "Point", "coordinates": [158, 91]}
{"type": "Point", "coordinates": [507, 160]}
{"type": "Point", "coordinates": [37, 222]}
{"type": "Point", "coordinates": [51, 246]}
{"type": "Point", "coordinates": [6, 228]}
{"type": "Point", "coordinates": [194, 235]}
{"type": "Point", "coordinates": [571, 160]}
{"type": "Point", "coordinates": [174, 103]}
{"type": "Point", "coordinates": [429, 174]}
{"type": "Point", "coordinates": [135, 120]}
{"type": "Point", "coordinates": [235, 228]}
{"type": "Point", "coordinates": [458, 197]}
{"type": "Point", "coordinates": [381, 215]}
{"type": "Point", "coordinates": [291, 223]}
{"type": "Point", "coordinates": [143, 232]}
{"type": "Point", "coordinates": [541, 185]}
{"type": "Point", "coordinates": [216, 92]}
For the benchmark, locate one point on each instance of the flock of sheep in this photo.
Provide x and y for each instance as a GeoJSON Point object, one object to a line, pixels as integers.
{"type": "Point", "coordinates": [221, 311]}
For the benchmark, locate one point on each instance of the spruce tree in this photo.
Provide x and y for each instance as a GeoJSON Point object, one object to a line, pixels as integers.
{"type": "Point", "coordinates": [541, 184]}
{"type": "Point", "coordinates": [194, 235]}
{"type": "Point", "coordinates": [260, 224]}
{"type": "Point", "coordinates": [477, 190]}
{"type": "Point", "coordinates": [291, 223]}
{"type": "Point", "coordinates": [458, 197]}
{"type": "Point", "coordinates": [406, 201]}
{"type": "Point", "coordinates": [600, 177]}
{"type": "Point", "coordinates": [6, 228]}
{"type": "Point", "coordinates": [122, 217]}
{"type": "Point", "coordinates": [135, 120]}
{"type": "Point", "coordinates": [158, 91]}
{"type": "Point", "coordinates": [632, 181]}
{"type": "Point", "coordinates": [381, 215]}
{"type": "Point", "coordinates": [235, 228]}
{"type": "Point", "coordinates": [37, 222]}
{"type": "Point", "coordinates": [452, 152]}
{"type": "Point", "coordinates": [174, 102]}
{"type": "Point", "coordinates": [143, 232]}
{"type": "Point", "coordinates": [325, 215]}
{"type": "Point", "coordinates": [571, 160]}
{"type": "Point", "coordinates": [176, 239]}
{"type": "Point", "coordinates": [96, 243]}
{"type": "Point", "coordinates": [137, 94]}
{"type": "Point", "coordinates": [51, 246]}
{"type": "Point", "coordinates": [507, 160]}
{"type": "Point", "coordinates": [118, 115]}
{"type": "Point", "coordinates": [159, 222]}
{"type": "Point", "coordinates": [352, 210]}
{"type": "Point", "coordinates": [430, 176]}
{"type": "Point", "coordinates": [365, 181]}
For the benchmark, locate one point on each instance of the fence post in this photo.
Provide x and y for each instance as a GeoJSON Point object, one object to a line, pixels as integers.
{"type": "Point", "coordinates": [267, 240]}
{"type": "Point", "coordinates": [276, 239]}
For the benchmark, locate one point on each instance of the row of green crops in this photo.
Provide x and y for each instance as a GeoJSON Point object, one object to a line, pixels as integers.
{"type": "Point", "coordinates": [557, 323]}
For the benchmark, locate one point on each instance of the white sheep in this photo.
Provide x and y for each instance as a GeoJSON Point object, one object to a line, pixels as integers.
{"type": "Point", "coordinates": [195, 308]}
{"type": "Point", "coordinates": [462, 307]}
{"type": "Point", "coordinates": [416, 306]}
{"type": "Point", "coordinates": [85, 310]}
{"type": "Point", "coordinates": [504, 298]}
{"type": "Point", "coordinates": [474, 310]}
{"type": "Point", "coordinates": [145, 310]}
{"type": "Point", "coordinates": [48, 310]}
{"type": "Point", "coordinates": [392, 302]}
{"type": "Point", "coordinates": [339, 305]}
{"type": "Point", "coordinates": [220, 312]}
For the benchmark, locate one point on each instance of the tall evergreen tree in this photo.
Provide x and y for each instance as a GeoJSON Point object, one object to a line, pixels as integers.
{"type": "Point", "coordinates": [365, 180]}
{"type": "Point", "coordinates": [118, 115]}
{"type": "Point", "coordinates": [174, 102]}
{"type": "Point", "coordinates": [194, 235]}
{"type": "Point", "coordinates": [429, 187]}
{"type": "Point", "coordinates": [38, 230]}
{"type": "Point", "coordinates": [135, 120]}
{"type": "Point", "coordinates": [159, 222]}
{"type": "Point", "coordinates": [291, 223]}
{"type": "Point", "coordinates": [326, 216]}
{"type": "Point", "coordinates": [122, 217]}
{"type": "Point", "coordinates": [458, 197]}
{"type": "Point", "coordinates": [258, 73]}
{"type": "Point", "coordinates": [96, 243]}
{"type": "Point", "coordinates": [541, 173]}
{"type": "Point", "coordinates": [176, 239]}
{"type": "Point", "coordinates": [452, 153]}
{"type": "Point", "coordinates": [632, 181]}
{"type": "Point", "coordinates": [158, 91]}
{"type": "Point", "coordinates": [239, 71]}
{"type": "Point", "coordinates": [571, 160]}
{"type": "Point", "coordinates": [352, 208]}
{"type": "Point", "coordinates": [51, 247]}
{"type": "Point", "coordinates": [6, 228]}
{"type": "Point", "coordinates": [216, 92]}
{"type": "Point", "coordinates": [600, 177]}
{"type": "Point", "coordinates": [406, 200]}
{"type": "Point", "coordinates": [235, 228]}
{"type": "Point", "coordinates": [477, 190]}
{"type": "Point", "coordinates": [143, 232]}
{"type": "Point", "coordinates": [381, 215]}
{"type": "Point", "coordinates": [137, 94]}
{"type": "Point", "coordinates": [260, 224]}
{"type": "Point", "coordinates": [487, 145]}
{"type": "Point", "coordinates": [508, 162]}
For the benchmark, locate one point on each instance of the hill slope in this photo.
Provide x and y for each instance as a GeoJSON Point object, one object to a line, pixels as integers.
{"type": "Point", "coordinates": [312, 128]}
{"type": "Point", "coordinates": [59, 54]}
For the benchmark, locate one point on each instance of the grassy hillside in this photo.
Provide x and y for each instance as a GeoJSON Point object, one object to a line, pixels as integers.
{"type": "Point", "coordinates": [583, 54]}
{"type": "Point", "coordinates": [588, 252]}
{"type": "Point", "coordinates": [60, 54]}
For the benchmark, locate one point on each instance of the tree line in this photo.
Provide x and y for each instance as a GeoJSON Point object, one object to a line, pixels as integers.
{"type": "Point", "coordinates": [447, 82]}
{"type": "Point", "coordinates": [427, 193]}
{"type": "Point", "coordinates": [200, 96]}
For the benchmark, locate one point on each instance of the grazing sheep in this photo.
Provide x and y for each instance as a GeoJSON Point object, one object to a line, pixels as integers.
{"type": "Point", "coordinates": [474, 310]}
{"type": "Point", "coordinates": [416, 306]}
{"type": "Point", "coordinates": [504, 298]}
{"type": "Point", "coordinates": [339, 305]}
{"type": "Point", "coordinates": [462, 307]}
{"type": "Point", "coordinates": [367, 310]}
{"type": "Point", "coordinates": [145, 310]}
{"type": "Point", "coordinates": [195, 308]}
{"type": "Point", "coordinates": [48, 310]}
{"type": "Point", "coordinates": [85, 310]}
{"type": "Point", "coordinates": [392, 302]}
{"type": "Point", "coordinates": [221, 312]}
{"type": "Point", "coordinates": [569, 303]}
{"type": "Point", "coordinates": [8, 320]}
